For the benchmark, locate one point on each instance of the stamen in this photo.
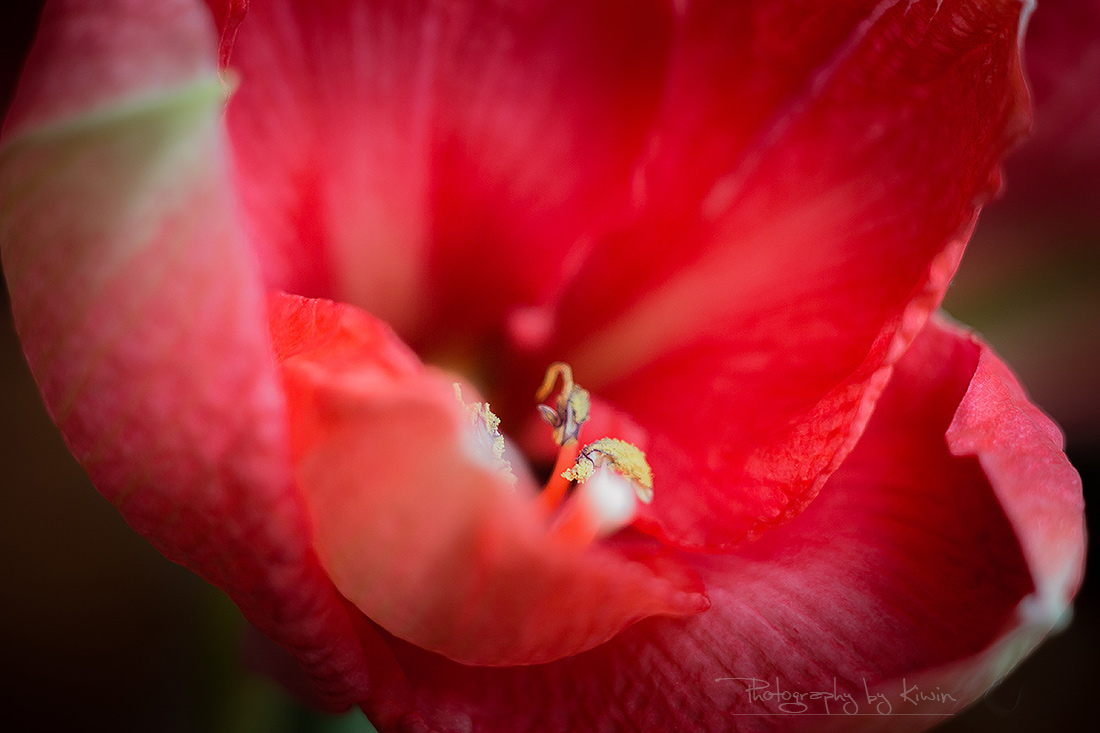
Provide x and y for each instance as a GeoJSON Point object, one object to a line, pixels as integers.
{"type": "Point", "coordinates": [625, 458]}
{"type": "Point", "coordinates": [612, 474]}
{"type": "Point", "coordinates": [603, 470]}
{"type": "Point", "coordinates": [572, 405]}
{"type": "Point", "coordinates": [487, 429]}
{"type": "Point", "coordinates": [552, 495]}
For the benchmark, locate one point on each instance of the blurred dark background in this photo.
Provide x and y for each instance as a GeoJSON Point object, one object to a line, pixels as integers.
{"type": "Point", "coordinates": [99, 632]}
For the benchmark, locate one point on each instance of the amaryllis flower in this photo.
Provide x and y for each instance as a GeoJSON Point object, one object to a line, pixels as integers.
{"type": "Point", "coordinates": [294, 277]}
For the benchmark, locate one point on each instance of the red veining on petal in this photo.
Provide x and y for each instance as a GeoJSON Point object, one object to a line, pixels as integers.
{"type": "Point", "coordinates": [754, 335]}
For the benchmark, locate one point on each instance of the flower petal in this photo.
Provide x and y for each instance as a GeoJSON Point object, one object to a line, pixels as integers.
{"type": "Point", "coordinates": [413, 520]}
{"type": "Point", "coordinates": [913, 563]}
{"type": "Point", "coordinates": [141, 315]}
{"type": "Point", "coordinates": [400, 155]}
{"type": "Point", "coordinates": [1057, 172]}
{"type": "Point", "coordinates": [228, 15]}
{"type": "Point", "coordinates": [789, 285]}
{"type": "Point", "coordinates": [1020, 450]}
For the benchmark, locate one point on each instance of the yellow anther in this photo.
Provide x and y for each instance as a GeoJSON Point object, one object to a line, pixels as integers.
{"type": "Point", "coordinates": [572, 405]}
{"type": "Point", "coordinates": [581, 471]}
{"type": "Point", "coordinates": [625, 458]}
{"type": "Point", "coordinates": [605, 503]}
{"type": "Point", "coordinates": [487, 429]}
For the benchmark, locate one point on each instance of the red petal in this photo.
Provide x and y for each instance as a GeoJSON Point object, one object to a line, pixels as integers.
{"type": "Point", "coordinates": [1020, 449]}
{"type": "Point", "coordinates": [905, 566]}
{"type": "Point", "coordinates": [414, 523]}
{"type": "Point", "coordinates": [1057, 172]}
{"type": "Point", "coordinates": [403, 155]}
{"type": "Point", "coordinates": [755, 333]}
{"type": "Point", "coordinates": [142, 318]}
{"type": "Point", "coordinates": [228, 15]}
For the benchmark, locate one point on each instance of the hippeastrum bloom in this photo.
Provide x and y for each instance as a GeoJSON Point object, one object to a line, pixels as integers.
{"type": "Point", "coordinates": [291, 275]}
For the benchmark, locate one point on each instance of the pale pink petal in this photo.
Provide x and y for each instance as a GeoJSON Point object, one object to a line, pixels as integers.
{"type": "Point", "coordinates": [141, 315]}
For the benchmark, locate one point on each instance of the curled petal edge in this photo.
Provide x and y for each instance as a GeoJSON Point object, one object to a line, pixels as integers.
{"type": "Point", "coordinates": [1021, 452]}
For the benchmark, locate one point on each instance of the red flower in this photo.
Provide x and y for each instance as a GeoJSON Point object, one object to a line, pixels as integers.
{"type": "Point", "coordinates": [732, 220]}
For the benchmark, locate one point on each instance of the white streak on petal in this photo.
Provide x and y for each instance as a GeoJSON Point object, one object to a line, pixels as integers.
{"type": "Point", "coordinates": [609, 499]}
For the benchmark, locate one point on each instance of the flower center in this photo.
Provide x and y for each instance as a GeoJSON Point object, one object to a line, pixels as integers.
{"type": "Point", "coordinates": [592, 491]}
